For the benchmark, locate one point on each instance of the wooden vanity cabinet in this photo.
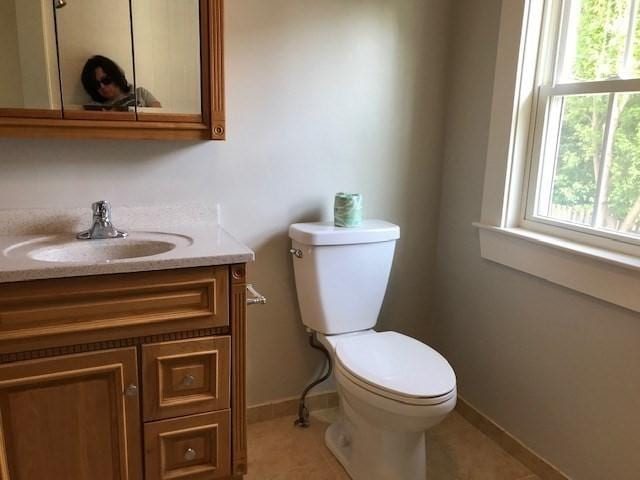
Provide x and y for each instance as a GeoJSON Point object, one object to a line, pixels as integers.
{"type": "Point", "coordinates": [91, 397]}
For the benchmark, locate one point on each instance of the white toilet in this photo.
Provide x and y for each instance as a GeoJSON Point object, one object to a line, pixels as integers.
{"type": "Point", "coordinates": [392, 387]}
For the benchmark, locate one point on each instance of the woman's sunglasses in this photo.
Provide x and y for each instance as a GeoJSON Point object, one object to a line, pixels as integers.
{"type": "Point", "coordinates": [106, 80]}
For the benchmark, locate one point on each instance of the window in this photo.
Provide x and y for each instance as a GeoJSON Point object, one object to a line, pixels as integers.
{"type": "Point", "coordinates": [585, 136]}
{"type": "Point", "coordinates": [561, 197]}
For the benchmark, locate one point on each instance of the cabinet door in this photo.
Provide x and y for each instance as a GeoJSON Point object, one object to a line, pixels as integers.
{"type": "Point", "coordinates": [166, 39]}
{"type": "Point", "coordinates": [73, 418]}
{"type": "Point", "coordinates": [96, 60]}
{"type": "Point", "coordinates": [29, 85]}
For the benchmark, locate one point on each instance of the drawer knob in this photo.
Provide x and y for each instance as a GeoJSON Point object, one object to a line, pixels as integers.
{"type": "Point", "coordinates": [188, 380]}
{"type": "Point", "coordinates": [131, 391]}
{"type": "Point", "coordinates": [190, 454]}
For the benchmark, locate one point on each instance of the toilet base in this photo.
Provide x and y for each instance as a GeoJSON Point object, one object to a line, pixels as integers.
{"type": "Point", "coordinates": [334, 440]}
{"type": "Point", "coordinates": [370, 453]}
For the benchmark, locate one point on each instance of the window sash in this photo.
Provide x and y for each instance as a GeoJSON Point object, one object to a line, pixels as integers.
{"type": "Point", "coordinates": [564, 19]}
{"type": "Point", "coordinates": [589, 88]}
{"type": "Point", "coordinates": [545, 138]}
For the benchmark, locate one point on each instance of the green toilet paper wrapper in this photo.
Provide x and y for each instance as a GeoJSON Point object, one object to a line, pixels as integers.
{"type": "Point", "coordinates": [347, 210]}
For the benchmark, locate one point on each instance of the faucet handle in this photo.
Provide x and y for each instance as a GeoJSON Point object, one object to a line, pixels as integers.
{"type": "Point", "coordinates": [102, 210]}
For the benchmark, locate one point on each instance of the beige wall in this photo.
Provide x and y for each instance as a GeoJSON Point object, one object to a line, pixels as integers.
{"type": "Point", "coordinates": [555, 368]}
{"type": "Point", "coordinates": [338, 95]}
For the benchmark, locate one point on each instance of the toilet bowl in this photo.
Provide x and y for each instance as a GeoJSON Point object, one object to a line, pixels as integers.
{"type": "Point", "coordinates": [392, 388]}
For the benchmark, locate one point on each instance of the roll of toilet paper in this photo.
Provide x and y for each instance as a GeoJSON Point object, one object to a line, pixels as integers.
{"type": "Point", "coordinates": [347, 210]}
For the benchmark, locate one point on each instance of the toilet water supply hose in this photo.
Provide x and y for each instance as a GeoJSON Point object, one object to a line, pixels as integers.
{"type": "Point", "coordinates": [303, 412]}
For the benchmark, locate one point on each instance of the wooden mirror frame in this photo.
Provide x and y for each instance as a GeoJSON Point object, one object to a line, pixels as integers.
{"type": "Point", "coordinates": [25, 123]}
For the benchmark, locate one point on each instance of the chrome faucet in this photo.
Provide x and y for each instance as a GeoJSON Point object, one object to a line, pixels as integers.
{"type": "Point", "coordinates": [102, 227]}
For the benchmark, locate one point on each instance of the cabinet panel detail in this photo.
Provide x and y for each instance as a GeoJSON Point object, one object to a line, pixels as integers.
{"type": "Point", "coordinates": [238, 313]}
{"type": "Point", "coordinates": [106, 345]}
{"type": "Point", "coordinates": [71, 418]}
{"type": "Point", "coordinates": [152, 301]}
{"type": "Point", "coordinates": [186, 377]}
{"type": "Point", "coordinates": [188, 448]}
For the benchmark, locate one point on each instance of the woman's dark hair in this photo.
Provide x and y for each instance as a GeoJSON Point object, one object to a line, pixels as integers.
{"type": "Point", "coordinates": [110, 68]}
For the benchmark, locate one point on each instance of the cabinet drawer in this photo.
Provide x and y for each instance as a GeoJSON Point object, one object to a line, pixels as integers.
{"type": "Point", "coordinates": [84, 309]}
{"type": "Point", "coordinates": [188, 448]}
{"type": "Point", "coordinates": [185, 377]}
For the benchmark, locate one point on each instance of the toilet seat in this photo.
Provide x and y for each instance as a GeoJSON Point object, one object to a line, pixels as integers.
{"type": "Point", "coordinates": [396, 367]}
{"type": "Point", "coordinates": [386, 395]}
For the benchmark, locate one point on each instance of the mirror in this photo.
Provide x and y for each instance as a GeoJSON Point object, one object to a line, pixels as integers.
{"type": "Point", "coordinates": [28, 59]}
{"type": "Point", "coordinates": [166, 37]}
{"type": "Point", "coordinates": [94, 45]}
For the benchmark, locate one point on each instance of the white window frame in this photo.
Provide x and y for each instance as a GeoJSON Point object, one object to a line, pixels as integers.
{"type": "Point", "coordinates": [599, 265]}
{"type": "Point", "coordinates": [558, 16]}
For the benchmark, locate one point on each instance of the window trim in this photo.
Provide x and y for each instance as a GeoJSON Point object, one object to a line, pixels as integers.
{"type": "Point", "coordinates": [600, 267]}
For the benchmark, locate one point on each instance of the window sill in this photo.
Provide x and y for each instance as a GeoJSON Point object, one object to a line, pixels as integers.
{"type": "Point", "coordinates": [610, 276]}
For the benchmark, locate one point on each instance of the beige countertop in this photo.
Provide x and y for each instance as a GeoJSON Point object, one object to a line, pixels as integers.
{"type": "Point", "coordinates": [192, 238]}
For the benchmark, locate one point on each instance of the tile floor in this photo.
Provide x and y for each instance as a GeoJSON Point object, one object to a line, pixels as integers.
{"type": "Point", "coordinates": [455, 451]}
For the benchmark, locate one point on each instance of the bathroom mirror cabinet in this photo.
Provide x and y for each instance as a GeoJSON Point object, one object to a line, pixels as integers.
{"type": "Point", "coordinates": [123, 69]}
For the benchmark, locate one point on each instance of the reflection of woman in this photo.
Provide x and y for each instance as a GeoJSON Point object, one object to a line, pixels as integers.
{"type": "Point", "coordinates": [105, 82]}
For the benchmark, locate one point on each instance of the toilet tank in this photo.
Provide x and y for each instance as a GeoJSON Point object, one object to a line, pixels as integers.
{"type": "Point", "coordinates": [342, 275]}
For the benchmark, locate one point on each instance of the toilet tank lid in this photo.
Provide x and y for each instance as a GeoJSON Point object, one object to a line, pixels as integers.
{"type": "Point", "coordinates": [325, 233]}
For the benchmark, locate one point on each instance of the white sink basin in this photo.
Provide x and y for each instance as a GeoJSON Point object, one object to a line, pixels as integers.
{"type": "Point", "coordinates": [97, 251]}
{"type": "Point", "coordinates": [67, 249]}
